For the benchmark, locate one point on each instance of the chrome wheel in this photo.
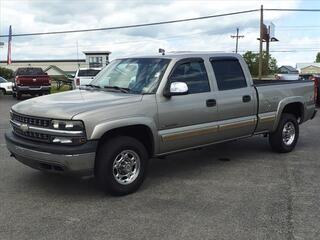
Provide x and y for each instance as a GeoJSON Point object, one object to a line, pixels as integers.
{"type": "Point", "coordinates": [126, 167]}
{"type": "Point", "coordinates": [288, 133]}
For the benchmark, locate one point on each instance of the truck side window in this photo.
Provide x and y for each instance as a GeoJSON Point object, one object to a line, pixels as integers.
{"type": "Point", "coordinates": [193, 74]}
{"type": "Point", "coordinates": [229, 74]}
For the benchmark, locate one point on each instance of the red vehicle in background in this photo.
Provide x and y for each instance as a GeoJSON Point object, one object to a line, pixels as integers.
{"type": "Point", "coordinates": [30, 80]}
{"type": "Point", "coordinates": [316, 79]}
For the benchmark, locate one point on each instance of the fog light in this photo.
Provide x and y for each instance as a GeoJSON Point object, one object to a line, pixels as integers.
{"type": "Point", "coordinates": [62, 140]}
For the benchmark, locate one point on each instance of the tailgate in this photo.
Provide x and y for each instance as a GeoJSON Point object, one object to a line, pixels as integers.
{"type": "Point", "coordinates": [41, 80]}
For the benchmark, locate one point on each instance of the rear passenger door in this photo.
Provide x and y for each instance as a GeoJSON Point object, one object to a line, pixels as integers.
{"type": "Point", "coordinates": [236, 98]}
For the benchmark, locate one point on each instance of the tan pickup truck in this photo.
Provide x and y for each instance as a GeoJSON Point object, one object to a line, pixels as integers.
{"type": "Point", "coordinates": [143, 107]}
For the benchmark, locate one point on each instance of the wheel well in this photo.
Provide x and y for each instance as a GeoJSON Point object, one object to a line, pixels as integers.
{"type": "Point", "coordinates": [294, 108]}
{"type": "Point", "coordinates": [140, 132]}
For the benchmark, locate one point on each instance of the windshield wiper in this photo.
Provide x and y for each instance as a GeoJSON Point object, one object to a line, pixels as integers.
{"type": "Point", "coordinates": [93, 86]}
{"type": "Point", "coordinates": [121, 89]}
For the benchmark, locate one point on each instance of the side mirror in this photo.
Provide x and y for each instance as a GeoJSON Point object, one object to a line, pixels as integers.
{"type": "Point", "coordinates": [176, 88]}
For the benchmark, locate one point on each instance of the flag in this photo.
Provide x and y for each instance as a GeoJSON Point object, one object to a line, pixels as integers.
{"type": "Point", "coordinates": [9, 46]}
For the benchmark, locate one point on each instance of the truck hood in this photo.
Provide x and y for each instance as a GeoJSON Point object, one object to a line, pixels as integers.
{"type": "Point", "coordinates": [68, 104]}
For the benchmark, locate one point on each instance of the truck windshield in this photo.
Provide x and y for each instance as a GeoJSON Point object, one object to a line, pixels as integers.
{"type": "Point", "coordinates": [137, 75]}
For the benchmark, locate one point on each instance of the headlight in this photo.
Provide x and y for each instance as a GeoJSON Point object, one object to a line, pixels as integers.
{"type": "Point", "coordinates": [68, 132]}
{"type": "Point", "coordinates": [67, 125]}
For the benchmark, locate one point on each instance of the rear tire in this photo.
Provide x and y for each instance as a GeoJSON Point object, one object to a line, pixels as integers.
{"type": "Point", "coordinates": [3, 92]}
{"type": "Point", "coordinates": [285, 138]}
{"type": "Point", "coordinates": [121, 165]}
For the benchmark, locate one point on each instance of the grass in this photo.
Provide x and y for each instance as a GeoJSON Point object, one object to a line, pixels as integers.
{"type": "Point", "coordinates": [62, 89]}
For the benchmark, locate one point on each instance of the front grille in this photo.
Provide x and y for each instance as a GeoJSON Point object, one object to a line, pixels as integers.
{"type": "Point", "coordinates": [31, 135]}
{"type": "Point", "coordinates": [39, 122]}
{"type": "Point", "coordinates": [32, 121]}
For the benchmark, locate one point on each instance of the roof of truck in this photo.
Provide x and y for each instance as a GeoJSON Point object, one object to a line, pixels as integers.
{"type": "Point", "coordinates": [186, 54]}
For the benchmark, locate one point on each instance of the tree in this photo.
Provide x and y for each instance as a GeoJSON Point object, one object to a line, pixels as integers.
{"type": "Point", "coordinates": [252, 59]}
{"type": "Point", "coordinates": [6, 73]}
{"type": "Point", "coordinates": [318, 57]}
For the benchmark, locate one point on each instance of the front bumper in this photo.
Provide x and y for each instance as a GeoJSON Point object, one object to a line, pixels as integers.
{"type": "Point", "coordinates": [75, 160]}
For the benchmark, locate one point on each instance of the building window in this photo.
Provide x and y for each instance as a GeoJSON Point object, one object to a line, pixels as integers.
{"type": "Point", "coordinates": [95, 62]}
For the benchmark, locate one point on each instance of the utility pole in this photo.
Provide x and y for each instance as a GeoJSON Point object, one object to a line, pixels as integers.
{"type": "Point", "coordinates": [237, 38]}
{"type": "Point", "coordinates": [261, 39]}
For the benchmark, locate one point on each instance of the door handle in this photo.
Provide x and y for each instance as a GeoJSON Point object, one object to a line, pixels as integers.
{"type": "Point", "coordinates": [211, 102]}
{"type": "Point", "coordinates": [246, 98]}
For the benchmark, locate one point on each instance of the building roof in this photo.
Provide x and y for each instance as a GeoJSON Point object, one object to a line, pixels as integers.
{"type": "Point", "coordinates": [290, 68]}
{"type": "Point", "coordinates": [310, 66]}
{"type": "Point", "coordinates": [96, 52]}
{"type": "Point", "coordinates": [46, 60]}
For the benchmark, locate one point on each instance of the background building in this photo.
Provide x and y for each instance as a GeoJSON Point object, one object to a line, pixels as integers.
{"type": "Point", "coordinates": [309, 68]}
{"type": "Point", "coordinates": [288, 70]}
{"type": "Point", "coordinates": [63, 67]}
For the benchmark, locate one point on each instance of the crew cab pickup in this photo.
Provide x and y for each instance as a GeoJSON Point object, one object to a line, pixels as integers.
{"type": "Point", "coordinates": [152, 106]}
{"type": "Point", "coordinates": [32, 81]}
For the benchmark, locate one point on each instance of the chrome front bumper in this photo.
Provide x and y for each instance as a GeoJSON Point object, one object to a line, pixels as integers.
{"type": "Point", "coordinates": [73, 163]}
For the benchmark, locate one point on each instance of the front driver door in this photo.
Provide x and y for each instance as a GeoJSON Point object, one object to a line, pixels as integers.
{"type": "Point", "coordinates": [188, 120]}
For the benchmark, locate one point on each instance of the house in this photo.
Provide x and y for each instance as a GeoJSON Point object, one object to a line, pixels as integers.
{"type": "Point", "coordinates": [286, 69]}
{"type": "Point", "coordinates": [309, 68]}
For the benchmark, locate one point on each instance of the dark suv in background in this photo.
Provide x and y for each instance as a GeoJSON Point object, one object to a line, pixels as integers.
{"type": "Point", "coordinates": [30, 80]}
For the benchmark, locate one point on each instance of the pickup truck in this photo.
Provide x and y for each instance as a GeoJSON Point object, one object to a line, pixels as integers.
{"type": "Point", "coordinates": [84, 76]}
{"type": "Point", "coordinates": [143, 107]}
{"type": "Point", "coordinates": [30, 80]}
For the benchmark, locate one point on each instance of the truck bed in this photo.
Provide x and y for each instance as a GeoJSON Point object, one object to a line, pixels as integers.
{"type": "Point", "coordinates": [277, 82]}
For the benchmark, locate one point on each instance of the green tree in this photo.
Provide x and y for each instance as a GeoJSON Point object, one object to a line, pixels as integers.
{"type": "Point", "coordinates": [318, 57]}
{"type": "Point", "coordinates": [6, 73]}
{"type": "Point", "coordinates": [252, 59]}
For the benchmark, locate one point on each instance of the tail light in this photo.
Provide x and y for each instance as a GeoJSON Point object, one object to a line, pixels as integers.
{"type": "Point", "coordinates": [77, 81]}
{"type": "Point", "coordinates": [315, 88]}
{"type": "Point", "coordinates": [17, 80]}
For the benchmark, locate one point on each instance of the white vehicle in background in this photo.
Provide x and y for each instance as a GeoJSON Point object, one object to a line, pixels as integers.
{"type": "Point", "coordinates": [5, 86]}
{"type": "Point", "coordinates": [287, 72]}
{"type": "Point", "coordinates": [287, 76]}
{"type": "Point", "coordinates": [84, 76]}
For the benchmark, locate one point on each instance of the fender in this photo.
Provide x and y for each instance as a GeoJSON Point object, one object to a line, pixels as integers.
{"type": "Point", "coordinates": [283, 103]}
{"type": "Point", "coordinates": [100, 129]}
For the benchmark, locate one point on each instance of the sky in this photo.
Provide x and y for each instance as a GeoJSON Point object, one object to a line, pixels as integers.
{"type": "Point", "coordinates": [298, 33]}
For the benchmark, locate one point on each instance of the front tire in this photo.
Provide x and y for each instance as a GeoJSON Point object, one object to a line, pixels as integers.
{"type": "Point", "coordinates": [18, 95]}
{"type": "Point", "coordinates": [285, 138]}
{"type": "Point", "coordinates": [121, 165]}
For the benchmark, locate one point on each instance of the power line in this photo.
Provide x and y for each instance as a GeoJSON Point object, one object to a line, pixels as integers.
{"type": "Point", "coordinates": [132, 26]}
{"type": "Point", "coordinates": [292, 9]}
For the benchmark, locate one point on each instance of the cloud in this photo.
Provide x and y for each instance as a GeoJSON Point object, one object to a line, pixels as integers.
{"type": "Point", "coordinates": [56, 15]}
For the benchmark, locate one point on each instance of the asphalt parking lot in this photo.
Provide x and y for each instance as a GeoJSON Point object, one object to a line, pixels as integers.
{"type": "Point", "coordinates": [238, 190]}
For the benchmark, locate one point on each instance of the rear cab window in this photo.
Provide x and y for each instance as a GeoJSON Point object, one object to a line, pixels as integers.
{"type": "Point", "coordinates": [88, 73]}
{"type": "Point", "coordinates": [30, 72]}
{"type": "Point", "coordinates": [193, 73]}
{"type": "Point", "coordinates": [228, 72]}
